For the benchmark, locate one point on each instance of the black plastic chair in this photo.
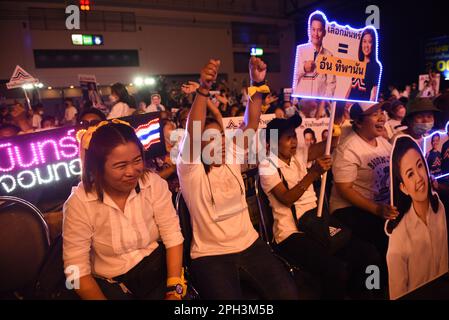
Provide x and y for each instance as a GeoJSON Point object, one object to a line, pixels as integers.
{"type": "Point", "coordinates": [187, 233]}
{"type": "Point", "coordinates": [307, 284]}
{"type": "Point", "coordinates": [24, 244]}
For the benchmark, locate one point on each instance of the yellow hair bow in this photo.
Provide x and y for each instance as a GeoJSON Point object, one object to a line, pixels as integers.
{"type": "Point", "coordinates": [262, 89]}
{"type": "Point", "coordinates": [87, 136]}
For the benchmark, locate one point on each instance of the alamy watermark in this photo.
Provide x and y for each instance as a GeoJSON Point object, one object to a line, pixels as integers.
{"type": "Point", "coordinates": [215, 147]}
{"type": "Point", "coordinates": [374, 16]}
{"type": "Point", "coordinates": [72, 277]}
{"type": "Point", "coordinates": [372, 282]}
{"type": "Point", "coordinates": [72, 22]}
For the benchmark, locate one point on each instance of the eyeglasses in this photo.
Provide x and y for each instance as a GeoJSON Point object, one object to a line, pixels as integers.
{"type": "Point", "coordinates": [86, 124]}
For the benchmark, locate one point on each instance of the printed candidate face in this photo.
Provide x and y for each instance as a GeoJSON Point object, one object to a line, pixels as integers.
{"type": "Point", "coordinates": [435, 142]}
{"type": "Point", "coordinates": [308, 139]}
{"type": "Point", "coordinates": [415, 182]}
{"type": "Point", "coordinates": [317, 32]}
{"type": "Point", "coordinates": [367, 44]}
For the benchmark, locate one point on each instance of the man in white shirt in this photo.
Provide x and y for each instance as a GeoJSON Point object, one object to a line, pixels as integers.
{"type": "Point", "coordinates": [70, 112]}
{"type": "Point", "coordinates": [307, 82]}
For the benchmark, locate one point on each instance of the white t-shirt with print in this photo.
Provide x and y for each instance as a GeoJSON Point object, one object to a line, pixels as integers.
{"type": "Point", "coordinates": [216, 232]}
{"type": "Point", "coordinates": [366, 166]}
{"type": "Point", "coordinates": [293, 173]}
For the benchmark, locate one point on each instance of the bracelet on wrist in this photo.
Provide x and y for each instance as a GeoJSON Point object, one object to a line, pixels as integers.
{"type": "Point", "coordinates": [258, 84]}
{"type": "Point", "coordinates": [207, 95]}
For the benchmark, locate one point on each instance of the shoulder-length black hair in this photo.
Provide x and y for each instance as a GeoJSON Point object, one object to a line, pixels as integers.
{"type": "Point", "coordinates": [120, 91]}
{"type": "Point", "coordinates": [402, 201]}
{"type": "Point", "coordinates": [103, 141]}
{"type": "Point", "coordinates": [373, 49]}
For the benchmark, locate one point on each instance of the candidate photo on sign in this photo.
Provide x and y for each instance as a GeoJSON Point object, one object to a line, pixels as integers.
{"type": "Point", "coordinates": [307, 81]}
{"type": "Point", "coordinates": [418, 247]}
{"type": "Point", "coordinates": [366, 89]}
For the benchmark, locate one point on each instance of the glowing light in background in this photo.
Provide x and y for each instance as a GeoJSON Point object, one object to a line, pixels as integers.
{"type": "Point", "coordinates": [138, 81]}
{"type": "Point", "coordinates": [150, 81]}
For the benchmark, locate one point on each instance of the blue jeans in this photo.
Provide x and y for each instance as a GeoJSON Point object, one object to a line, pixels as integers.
{"type": "Point", "coordinates": [219, 277]}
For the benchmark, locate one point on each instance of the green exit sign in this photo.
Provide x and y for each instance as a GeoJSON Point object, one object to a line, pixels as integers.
{"type": "Point", "coordinates": [87, 40]}
{"type": "Point", "coordinates": [256, 51]}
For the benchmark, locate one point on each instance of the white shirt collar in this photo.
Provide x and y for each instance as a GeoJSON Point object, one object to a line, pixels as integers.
{"type": "Point", "coordinates": [415, 220]}
{"type": "Point", "coordinates": [93, 196]}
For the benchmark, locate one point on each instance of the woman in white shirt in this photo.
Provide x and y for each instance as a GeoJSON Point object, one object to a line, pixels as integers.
{"type": "Point", "coordinates": [225, 245]}
{"type": "Point", "coordinates": [114, 219]}
{"type": "Point", "coordinates": [360, 195]}
{"type": "Point", "coordinates": [120, 100]}
{"type": "Point", "coordinates": [289, 187]}
{"type": "Point", "coordinates": [418, 249]}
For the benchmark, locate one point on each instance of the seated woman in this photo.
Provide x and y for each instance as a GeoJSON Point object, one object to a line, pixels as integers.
{"type": "Point", "coordinates": [360, 196]}
{"type": "Point", "coordinates": [289, 186]}
{"type": "Point", "coordinates": [285, 180]}
{"type": "Point", "coordinates": [114, 219]}
{"type": "Point", "coordinates": [418, 249]}
{"type": "Point", "coordinates": [225, 245]}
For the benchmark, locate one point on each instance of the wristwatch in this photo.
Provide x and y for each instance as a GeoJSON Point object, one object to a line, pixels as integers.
{"type": "Point", "coordinates": [177, 288]}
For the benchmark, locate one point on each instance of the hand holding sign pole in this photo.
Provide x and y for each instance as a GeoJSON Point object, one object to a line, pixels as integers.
{"type": "Point", "coordinates": [338, 63]}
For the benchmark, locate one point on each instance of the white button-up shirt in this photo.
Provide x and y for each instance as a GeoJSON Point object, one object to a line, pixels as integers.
{"type": "Point", "coordinates": [284, 224]}
{"type": "Point", "coordinates": [103, 240]}
{"type": "Point", "coordinates": [417, 253]}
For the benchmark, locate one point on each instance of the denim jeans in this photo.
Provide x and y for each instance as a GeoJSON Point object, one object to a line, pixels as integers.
{"type": "Point", "coordinates": [219, 277]}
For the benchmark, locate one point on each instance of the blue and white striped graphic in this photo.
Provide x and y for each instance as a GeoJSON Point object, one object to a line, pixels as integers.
{"type": "Point", "coordinates": [149, 133]}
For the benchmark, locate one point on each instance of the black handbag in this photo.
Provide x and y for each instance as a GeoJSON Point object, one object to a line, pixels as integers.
{"type": "Point", "coordinates": [327, 231]}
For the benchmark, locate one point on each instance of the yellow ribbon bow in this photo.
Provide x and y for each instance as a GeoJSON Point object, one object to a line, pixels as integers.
{"type": "Point", "coordinates": [262, 89]}
{"type": "Point", "coordinates": [87, 136]}
{"type": "Point", "coordinates": [336, 132]}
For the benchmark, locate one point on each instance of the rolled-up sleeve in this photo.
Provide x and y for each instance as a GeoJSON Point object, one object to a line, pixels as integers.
{"type": "Point", "coordinates": [165, 214]}
{"type": "Point", "coordinates": [77, 238]}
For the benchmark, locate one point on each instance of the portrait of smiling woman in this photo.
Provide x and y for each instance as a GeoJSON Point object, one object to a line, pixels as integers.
{"type": "Point", "coordinates": [417, 250]}
{"type": "Point", "coordinates": [120, 228]}
{"type": "Point", "coordinates": [366, 89]}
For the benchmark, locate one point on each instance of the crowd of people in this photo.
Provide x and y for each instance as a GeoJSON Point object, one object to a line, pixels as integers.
{"type": "Point", "coordinates": [121, 228]}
